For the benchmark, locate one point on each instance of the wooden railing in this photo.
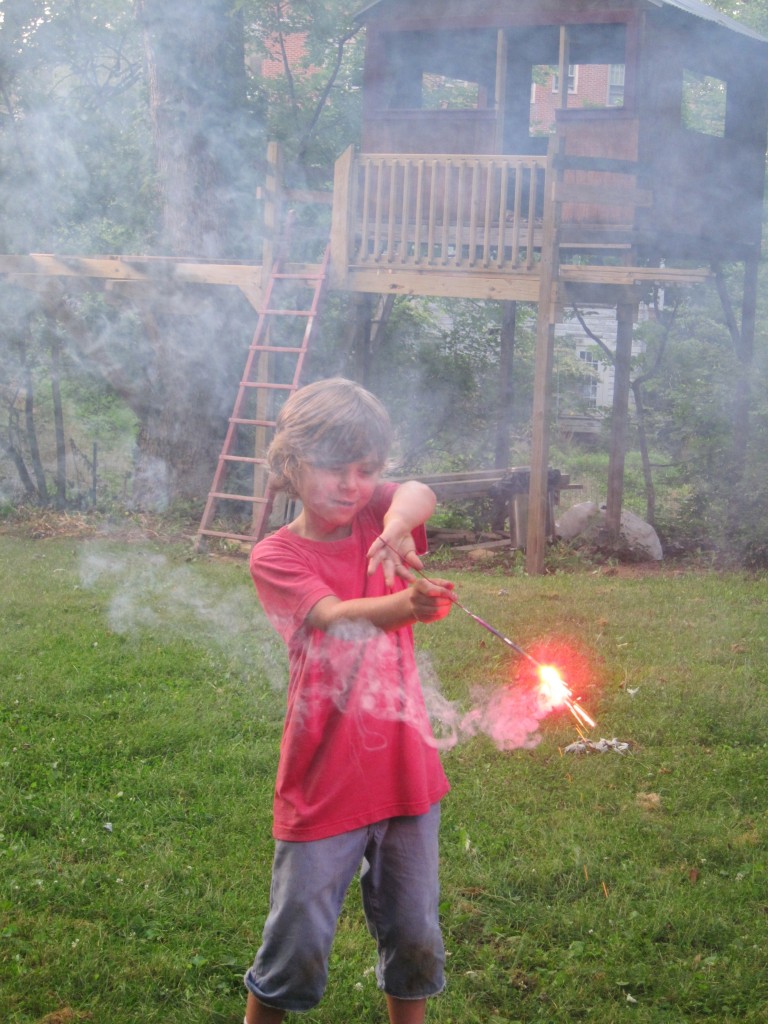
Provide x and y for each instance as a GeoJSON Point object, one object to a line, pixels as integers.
{"type": "Point", "coordinates": [438, 212]}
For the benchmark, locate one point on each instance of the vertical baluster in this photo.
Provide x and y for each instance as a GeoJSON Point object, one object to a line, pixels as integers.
{"type": "Point", "coordinates": [476, 179]}
{"type": "Point", "coordinates": [460, 204]}
{"type": "Point", "coordinates": [532, 196]}
{"type": "Point", "coordinates": [364, 227]}
{"type": "Point", "coordinates": [517, 210]}
{"type": "Point", "coordinates": [488, 210]}
{"type": "Point", "coordinates": [503, 186]}
{"type": "Point", "coordinates": [446, 210]}
{"type": "Point", "coordinates": [432, 213]}
{"type": "Point", "coordinates": [378, 210]}
{"type": "Point", "coordinates": [392, 209]}
{"type": "Point", "coordinates": [405, 214]}
{"type": "Point", "coordinates": [418, 213]}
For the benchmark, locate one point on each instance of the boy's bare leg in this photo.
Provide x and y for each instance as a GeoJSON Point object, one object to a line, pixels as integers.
{"type": "Point", "coordinates": [406, 1011]}
{"type": "Point", "coordinates": [257, 1013]}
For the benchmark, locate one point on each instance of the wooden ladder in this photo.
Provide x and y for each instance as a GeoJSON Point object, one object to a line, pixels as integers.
{"type": "Point", "coordinates": [240, 492]}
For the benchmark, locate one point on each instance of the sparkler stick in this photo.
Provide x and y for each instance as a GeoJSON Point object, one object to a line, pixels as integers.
{"type": "Point", "coordinates": [547, 673]}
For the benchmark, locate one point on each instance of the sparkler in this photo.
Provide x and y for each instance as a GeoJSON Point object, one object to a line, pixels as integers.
{"type": "Point", "coordinates": [551, 682]}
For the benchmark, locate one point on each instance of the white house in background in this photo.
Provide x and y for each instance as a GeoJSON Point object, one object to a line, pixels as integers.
{"type": "Point", "coordinates": [581, 408]}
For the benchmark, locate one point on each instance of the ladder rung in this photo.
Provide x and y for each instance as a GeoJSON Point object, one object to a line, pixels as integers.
{"type": "Point", "coordinates": [223, 496]}
{"type": "Point", "coordinates": [251, 423]}
{"type": "Point", "coordinates": [298, 277]}
{"type": "Point", "coordinates": [250, 459]}
{"type": "Point", "coordinates": [307, 292]}
{"type": "Point", "coordinates": [288, 312]}
{"type": "Point", "coordinates": [228, 536]}
{"type": "Point", "coordinates": [277, 348]}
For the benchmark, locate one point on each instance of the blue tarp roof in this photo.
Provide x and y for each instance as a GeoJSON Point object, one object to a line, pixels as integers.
{"type": "Point", "coordinates": [693, 7]}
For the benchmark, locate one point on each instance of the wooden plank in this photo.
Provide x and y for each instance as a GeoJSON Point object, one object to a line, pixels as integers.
{"type": "Point", "coordinates": [582, 274]}
{"type": "Point", "coordinates": [613, 165]}
{"type": "Point", "coordinates": [151, 270]}
{"type": "Point", "coordinates": [343, 205]}
{"type": "Point", "coordinates": [582, 194]}
{"type": "Point", "coordinates": [468, 284]}
{"type": "Point", "coordinates": [542, 384]}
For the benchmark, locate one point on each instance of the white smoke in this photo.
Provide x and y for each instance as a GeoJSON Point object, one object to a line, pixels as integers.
{"type": "Point", "coordinates": [509, 716]}
{"type": "Point", "coordinates": [147, 592]}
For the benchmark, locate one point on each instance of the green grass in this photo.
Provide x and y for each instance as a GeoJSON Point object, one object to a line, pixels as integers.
{"type": "Point", "coordinates": [141, 698]}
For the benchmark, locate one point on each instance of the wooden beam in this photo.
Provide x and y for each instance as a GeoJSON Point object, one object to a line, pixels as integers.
{"type": "Point", "coordinates": [626, 276]}
{"type": "Point", "coordinates": [470, 284]}
{"type": "Point", "coordinates": [150, 270]}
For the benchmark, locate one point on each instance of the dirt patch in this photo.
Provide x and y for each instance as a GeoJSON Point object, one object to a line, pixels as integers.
{"type": "Point", "coordinates": [65, 1016]}
{"type": "Point", "coordinates": [43, 524]}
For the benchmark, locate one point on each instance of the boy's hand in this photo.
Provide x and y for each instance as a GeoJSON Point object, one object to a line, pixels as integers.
{"type": "Point", "coordinates": [394, 554]}
{"type": "Point", "coordinates": [431, 599]}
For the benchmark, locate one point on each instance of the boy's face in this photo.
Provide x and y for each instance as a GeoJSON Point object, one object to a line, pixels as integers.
{"type": "Point", "coordinates": [332, 495]}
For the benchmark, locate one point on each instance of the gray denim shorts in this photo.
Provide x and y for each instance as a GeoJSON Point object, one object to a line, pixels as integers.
{"type": "Point", "coordinates": [398, 861]}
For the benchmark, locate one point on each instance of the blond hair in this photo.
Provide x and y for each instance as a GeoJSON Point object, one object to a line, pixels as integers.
{"type": "Point", "coordinates": [328, 423]}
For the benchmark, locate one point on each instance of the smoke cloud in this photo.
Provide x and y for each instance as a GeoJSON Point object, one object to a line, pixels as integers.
{"type": "Point", "coordinates": [147, 592]}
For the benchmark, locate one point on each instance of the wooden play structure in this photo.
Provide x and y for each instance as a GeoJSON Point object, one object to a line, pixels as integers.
{"type": "Point", "coordinates": [457, 190]}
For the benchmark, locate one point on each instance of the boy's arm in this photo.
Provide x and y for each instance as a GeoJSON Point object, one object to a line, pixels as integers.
{"type": "Point", "coordinates": [423, 601]}
{"type": "Point", "coordinates": [412, 504]}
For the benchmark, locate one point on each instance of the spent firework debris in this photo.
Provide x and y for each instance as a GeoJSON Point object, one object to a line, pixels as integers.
{"type": "Point", "coordinates": [601, 746]}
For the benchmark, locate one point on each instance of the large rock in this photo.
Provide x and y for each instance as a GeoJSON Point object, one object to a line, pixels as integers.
{"type": "Point", "coordinates": [585, 523]}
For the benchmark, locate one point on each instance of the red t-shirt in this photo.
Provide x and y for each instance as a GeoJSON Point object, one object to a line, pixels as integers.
{"type": "Point", "coordinates": [357, 746]}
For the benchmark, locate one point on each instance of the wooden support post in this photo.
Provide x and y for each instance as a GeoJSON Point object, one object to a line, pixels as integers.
{"type": "Point", "coordinates": [506, 383]}
{"type": "Point", "coordinates": [344, 201]}
{"type": "Point", "coordinates": [564, 62]}
{"type": "Point", "coordinates": [620, 419]}
{"type": "Point", "coordinates": [501, 87]}
{"type": "Point", "coordinates": [273, 197]}
{"type": "Point", "coordinates": [542, 382]}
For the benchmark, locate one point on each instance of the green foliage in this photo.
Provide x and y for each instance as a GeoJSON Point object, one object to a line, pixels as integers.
{"type": "Point", "coordinates": [140, 721]}
{"type": "Point", "coordinates": [309, 94]}
{"type": "Point", "coordinates": [438, 373]}
{"type": "Point", "coordinates": [76, 147]}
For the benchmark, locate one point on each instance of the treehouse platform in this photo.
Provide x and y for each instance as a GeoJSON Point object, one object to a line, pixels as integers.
{"type": "Point", "coordinates": [469, 226]}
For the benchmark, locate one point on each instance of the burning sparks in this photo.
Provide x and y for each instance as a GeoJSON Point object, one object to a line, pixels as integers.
{"type": "Point", "coordinates": [552, 689]}
{"type": "Point", "coordinates": [557, 693]}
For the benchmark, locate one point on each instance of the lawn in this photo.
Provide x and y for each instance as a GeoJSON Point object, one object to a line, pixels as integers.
{"type": "Point", "coordinates": [141, 699]}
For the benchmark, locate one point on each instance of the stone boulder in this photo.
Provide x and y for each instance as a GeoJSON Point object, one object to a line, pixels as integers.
{"type": "Point", "coordinates": [584, 524]}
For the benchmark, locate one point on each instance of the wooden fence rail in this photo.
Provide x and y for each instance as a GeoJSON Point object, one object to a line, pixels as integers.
{"type": "Point", "coordinates": [438, 212]}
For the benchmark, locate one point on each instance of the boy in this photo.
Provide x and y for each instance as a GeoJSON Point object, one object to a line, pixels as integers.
{"type": "Point", "coordinates": [359, 778]}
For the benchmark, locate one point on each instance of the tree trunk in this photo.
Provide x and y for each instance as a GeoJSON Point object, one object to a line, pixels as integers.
{"type": "Point", "coordinates": [197, 94]}
{"type": "Point", "coordinates": [195, 382]}
{"type": "Point", "coordinates": [58, 422]}
{"type": "Point", "coordinates": [31, 434]}
{"type": "Point", "coordinates": [195, 59]}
